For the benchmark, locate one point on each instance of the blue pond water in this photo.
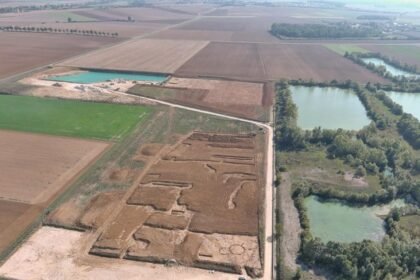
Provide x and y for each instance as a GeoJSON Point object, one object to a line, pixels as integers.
{"type": "Point", "coordinates": [89, 77]}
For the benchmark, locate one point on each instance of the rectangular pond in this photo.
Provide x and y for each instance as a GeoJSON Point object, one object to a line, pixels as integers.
{"type": "Point", "coordinates": [334, 221]}
{"type": "Point", "coordinates": [329, 108]}
{"type": "Point", "coordinates": [391, 69]}
{"type": "Point", "coordinates": [409, 101]}
{"type": "Point", "coordinates": [93, 76]}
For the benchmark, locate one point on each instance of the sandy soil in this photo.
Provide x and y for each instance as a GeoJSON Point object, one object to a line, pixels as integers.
{"type": "Point", "coordinates": [43, 164]}
{"type": "Point", "coordinates": [291, 227]}
{"type": "Point", "coordinates": [92, 92]}
{"type": "Point", "coordinates": [148, 55]}
{"type": "Point", "coordinates": [42, 258]}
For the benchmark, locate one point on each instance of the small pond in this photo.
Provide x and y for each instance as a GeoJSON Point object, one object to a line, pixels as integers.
{"type": "Point", "coordinates": [328, 107]}
{"type": "Point", "coordinates": [409, 101]}
{"type": "Point", "coordinates": [334, 221]}
{"type": "Point", "coordinates": [89, 77]}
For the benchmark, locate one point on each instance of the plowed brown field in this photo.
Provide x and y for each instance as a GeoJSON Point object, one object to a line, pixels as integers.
{"type": "Point", "coordinates": [242, 99]}
{"type": "Point", "coordinates": [147, 55]}
{"type": "Point", "coordinates": [34, 167]}
{"type": "Point", "coordinates": [23, 51]}
{"type": "Point", "coordinates": [261, 62]}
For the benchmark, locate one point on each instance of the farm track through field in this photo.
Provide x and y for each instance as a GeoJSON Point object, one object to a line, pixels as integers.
{"type": "Point", "coordinates": [269, 258]}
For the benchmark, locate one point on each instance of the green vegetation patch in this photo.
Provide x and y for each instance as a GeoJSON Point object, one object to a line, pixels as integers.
{"type": "Point", "coordinates": [341, 49]}
{"type": "Point", "coordinates": [411, 224]}
{"type": "Point", "coordinates": [313, 165]}
{"type": "Point", "coordinates": [70, 118]}
{"type": "Point", "coordinates": [64, 16]}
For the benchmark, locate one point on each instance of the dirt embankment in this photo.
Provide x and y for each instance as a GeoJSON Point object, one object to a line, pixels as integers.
{"type": "Point", "coordinates": [291, 226]}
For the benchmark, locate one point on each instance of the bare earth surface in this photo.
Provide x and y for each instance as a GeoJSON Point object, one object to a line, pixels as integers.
{"type": "Point", "coordinates": [262, 62]}
{"type": "Point", "coordinates": [24, 51]}
{"type": "Point", "coordinates": [43, 258]}
{"type": "Point", "coordinates": [291, 227]}
{"type": "Point", "coordinates": [34, 167]}
{"type": "Point", "coordinates": [141, 55]}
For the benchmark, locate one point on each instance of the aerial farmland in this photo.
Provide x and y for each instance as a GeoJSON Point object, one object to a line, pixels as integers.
{"type": "Point", "coordinates": [209, 140]}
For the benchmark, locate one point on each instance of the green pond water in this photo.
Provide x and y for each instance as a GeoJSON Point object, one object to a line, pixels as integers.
{"type": "Point", "coordinates": [409, 101]}
{"type": "Point", "coordinates": [391, 69]}
{"type": "Point", "coordinates": [329, 107]}
{"type": "Point", "coordinates": [89, 77]}
{"type": "Point", "coordinates": [334, 221]}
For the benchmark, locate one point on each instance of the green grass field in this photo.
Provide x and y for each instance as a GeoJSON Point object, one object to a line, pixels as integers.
{"type": "Point", "coordinates": [70, 118]}
{"type": "Point", "coordinates": [63, 16]}
{"type": "Point", "coordinates": [342, 49]}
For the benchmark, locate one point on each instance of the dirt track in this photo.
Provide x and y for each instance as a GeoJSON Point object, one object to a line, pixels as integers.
{"type": "Point", "coordinates": [291, 227]}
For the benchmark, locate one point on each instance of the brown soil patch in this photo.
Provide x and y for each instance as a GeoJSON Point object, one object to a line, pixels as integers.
{"type": "Point", "coordinates": [122, 175]}
{"type": "Point", "coordinates": [43, 165]}
{"type": "Point", "coordinates": [15, 217]}
{"type": "Point", "coordinates": [242, 99]}
{"type": "Point", "coordinates": [236, 61]}
{"type": "Point", "coordinates": [158, 198]}
{"type": "Point", "coordinates": [165, 221]}
{"type": "Point", "coordinates": [23, 51]}
{"type": "Point", "coordinates": [269, 62]}
{"type": "Point", "coordinates": [114, 240]}
{"type": "Point", "coordinates": [148, 151]}
{"type": "Point", "coordinates": [66, 215]}
{"type": "Point", "coordinates": [99, 208]}
{"type": "Point", "coordinates": [164, 56]}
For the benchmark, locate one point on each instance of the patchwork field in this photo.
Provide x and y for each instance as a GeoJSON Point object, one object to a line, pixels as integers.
{"type": "Point", "coordinates": [250, 100]}
{"type": "Point", "coordinates": [143, 14]}
{"type": "Point", "coordinates": [45, 16]}
{"type": "Point", "coordinates": [245, 29]}
{"type": "Point", "coordinates": [146, 55]}
{"type": "Point", "coordinates": [23, 51]}
{"type": "Point", "coordinates": [43, 165]}
{"type": "Point", "coordinates": [69, 118]}
{"type": "Point", "coordinates": [205, 218]}
{"type": "Point", "coordinates": [35, 168]}
{"type": "Point", "coordinates": [123, 28]}
{"type": "Point", "coordinates": [274, 61]}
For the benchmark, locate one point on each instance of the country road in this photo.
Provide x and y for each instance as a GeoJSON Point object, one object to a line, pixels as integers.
{"type": "Point", "coordinates": [269, 203]}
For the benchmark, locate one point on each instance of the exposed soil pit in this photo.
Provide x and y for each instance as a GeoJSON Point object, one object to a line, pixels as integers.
{"type": "Point", "coordinates": [161, 220]}
{"type": "Point", "coordinates": [122, 175]}
{"type": "Point", "coordinates": [196, 206]}
{"type": "Point", "coordinates": [158, 198]}
{"type": "Point", "coordinates": [99, 208]}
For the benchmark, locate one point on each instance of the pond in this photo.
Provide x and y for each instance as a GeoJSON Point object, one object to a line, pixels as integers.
{"type": "Point", "coordinates": [334, 221]}
{"type": "Point", "coordinates": [88, 77]}
{"type": "Point", "coordinates": [409, 101]}
{"type": "Point", "coordinates": [391, 69]}
{"type": "Point", "coordinates": [328, 107]}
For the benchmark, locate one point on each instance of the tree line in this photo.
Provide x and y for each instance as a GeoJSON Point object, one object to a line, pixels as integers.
{"type": "Point", "coordinates": [72, 31]}
{"type": "Point", "coordinates": [331, 31]}
{"type": "Point", "coordinates": [381, 70]}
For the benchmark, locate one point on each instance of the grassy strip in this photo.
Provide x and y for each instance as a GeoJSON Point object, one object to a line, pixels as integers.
{"type": "Point", "coordinates": [341, 49]}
